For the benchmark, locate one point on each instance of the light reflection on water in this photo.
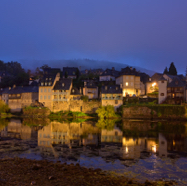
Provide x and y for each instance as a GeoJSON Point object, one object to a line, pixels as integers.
{"type": "Point", "coordinates": [140, 149]}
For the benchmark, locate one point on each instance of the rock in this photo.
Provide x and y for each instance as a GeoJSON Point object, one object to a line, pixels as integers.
{"type": "Point", "coordinates": [51, 177]}
{"type": "Point", "coordinates": [33, 183]}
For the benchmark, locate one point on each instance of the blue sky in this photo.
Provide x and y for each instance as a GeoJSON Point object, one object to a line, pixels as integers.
{"type": "Point", "coordinates": [146, 33]}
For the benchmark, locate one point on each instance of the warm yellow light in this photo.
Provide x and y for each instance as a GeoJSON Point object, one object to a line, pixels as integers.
{"type": "Point", "coordinates": [127, 83]}
{"type": "Point", "coordinates": [126, 150]}
{"type": "Point", "coordinates": [173, 142]}
{"type": "Point", "coordinates": [154, 148]}
{"type": "Point", "coordinates": [153, 84]}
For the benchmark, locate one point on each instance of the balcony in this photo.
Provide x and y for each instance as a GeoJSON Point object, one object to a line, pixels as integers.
{"type": "Point", "coordinates": [59, 93]}
{"type": "Point", "coordinates": [60, 99]}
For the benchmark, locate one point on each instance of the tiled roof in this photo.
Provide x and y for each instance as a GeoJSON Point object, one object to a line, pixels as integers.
{"type": "Point", "coordinates": [128, 71]}
{"type": "Point", "coordinates": [90, 85]}
{"type": "Point", "coordinates": [71, 71]}
{"type": "Point", "coordinates": [63, 84]}
{"type": "Point", "coordinates": [20, 89]}
{"type": "Point", "coordinates": [75, 91]}
{"type": "Point", "coordinates": [4, 91]}
{"type": "Point", "coordinates": [111, 89]}
{"type": "Point", "coordinates": [110, 72]}
{"type": "Point", "coordinates": [51, 71]}
{"type": "Point", "coordinates": [156, 76]}
{"type": "Point", "coordinates": [47, 80]}
{"type": "Point", "coordinates": [162, 79]}
{"type": "Point", "coordinates": [176, 82]}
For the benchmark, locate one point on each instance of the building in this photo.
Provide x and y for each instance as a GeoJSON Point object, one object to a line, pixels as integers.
{"type": "Point", "coordinates": [46, 95]}
{"type": "Point", "coordinates": [4, 95]}
{"type": "Point", "coordinates": [75, 94]}
{"type": "Point", "coordinates": [70, 72]}
{"type": "Point", "coordinates": [112, 95]}
{"type": "Point", "coordinates": [91, 90]}
{"type": "Point", "coordinates": [129, 81]}
{"type": "Point", "coordinates": [108, 75]}
{"type": "Point", "coordinates": [20, 97]}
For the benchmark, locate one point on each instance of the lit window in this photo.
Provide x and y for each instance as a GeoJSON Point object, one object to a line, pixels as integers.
{"type": "Point", "coordinates": [127, 83]}
{"type": "Point", "coordinates": [46, 78]}
{"type": "Point", "coordinates": [161, 94]}
{"type": "Point", "coordinates": [42, 83]}
{"type": "Point", "coordinates": [49, 83]}
{"type": "Point", "coordinates": [63, 84]}
{"type": "Point", "coordinates": [45, 84]}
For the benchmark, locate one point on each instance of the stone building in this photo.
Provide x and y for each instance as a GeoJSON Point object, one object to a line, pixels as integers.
{"type": "Point", "coordinates": [129, 81]}
{"type": "Point", "coordinates": [109, 74]}
{"type": "Point", "coordinates": [19, 97]}
{"type": "Point", "coordinates": [91, 90]}
{"type": "Point", "coordinates": [111, 95]}
{"type": "Point", "coordinates": [46, 95]}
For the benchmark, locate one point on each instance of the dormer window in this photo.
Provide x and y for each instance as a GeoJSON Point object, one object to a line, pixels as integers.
{"type": "Point", "coordinates": [63, 84]}
{"type": "Point", "coordinates": [46, 79]}
{"type": "Point", "coordinates": [42, 83]}
{"type": "Point", "coordinates": [45, 84]}
{"type": "Point", "coordinates": [49, 83]}
{"type": "Point", "coordinates": [73, 90]}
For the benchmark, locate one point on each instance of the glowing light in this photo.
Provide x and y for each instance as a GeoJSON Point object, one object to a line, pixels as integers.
{"type": "Point", "coordinates": [153, 84]}
{"type": "Point", "coordinates": [127, 83]}
{"type": "Point", "coordinates": [126, 150]}
{"type": "Point", "coordinates": [154, 148]}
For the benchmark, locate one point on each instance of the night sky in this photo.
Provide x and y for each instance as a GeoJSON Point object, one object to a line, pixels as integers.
{"type": "Point", "coordinates": [145, 33]}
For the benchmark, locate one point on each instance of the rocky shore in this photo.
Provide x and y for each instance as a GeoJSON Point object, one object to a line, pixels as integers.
{"type": "Point", "coordinates": [24, 172]}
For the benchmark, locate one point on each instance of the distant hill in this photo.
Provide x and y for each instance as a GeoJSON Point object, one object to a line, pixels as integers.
{"type": "Point", "coordinates": [82, 64]}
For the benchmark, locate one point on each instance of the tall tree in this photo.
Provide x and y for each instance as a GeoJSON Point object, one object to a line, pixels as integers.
{"type": "Point", "coordinates": [172, 69]}
{"type": "Point", "coordinates": [166, 71]}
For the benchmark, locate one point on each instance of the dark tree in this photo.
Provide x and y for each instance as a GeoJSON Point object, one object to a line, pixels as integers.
{"type": "Point", "coordinates": [172, 69]}
{"type": "Point", "coordinates": [166, 71]}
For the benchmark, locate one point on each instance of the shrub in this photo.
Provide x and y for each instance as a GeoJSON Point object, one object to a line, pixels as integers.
{"type": "Point", "coordinates": [84, 98]}
{"type": "Point", "coordinates": [3, 107]}
{"type": "Point", "coordinates": [106, 112]}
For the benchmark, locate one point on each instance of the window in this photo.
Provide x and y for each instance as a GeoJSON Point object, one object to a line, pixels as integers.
{"type": "Point", "coordinates": [42, 83]}
{"type": "Point", "coordinates": [44, 97]}
{"type": "Point", "coordinates": [116, 102]}
{"type": "Point", "coordinates": [63, 84]}
{"type": "Point", "coordinates": [126, 83]}
{"type": "Point", "coordinates": [49, 83]}
{"type": "Point", "coordinates": [127, 77]}
{"type": "Point", "coordinates": [41, 90]}
{"type": "Point", "coordinates": [73, 90]}
{"type": "Point", "coordinates": [49, 97]}
{"type": "Point", "coordinates": [45, 90]}
{"type": "Point", "coordinates": [161, 94]}
{"type": "Point", "coordinates": [41, 97]}
{"type": "Point", "coordinates": [131, 83]}
{"type": "Point", "coordinates": [45, 83]}
{"type": "Point", "coordinates": [49, 90]}
{"type": "Point", "coordinates": [162, 81]}
{"type": "Point", "coordinates": [46, 79]}
{"type": "Point", "coordinates": [131, 77]}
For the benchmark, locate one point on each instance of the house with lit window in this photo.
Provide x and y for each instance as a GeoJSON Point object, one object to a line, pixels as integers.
{"type": "Point", "coordinates": [129, 81]}
{"type": "Point", "coordinates": [111, 95]}
{"type": "Point", "coordinates": [46, 89]}
{"type": "Point", "coordinates": [173, 92]}
{"type": "Point", "coordinates": [75, 94]}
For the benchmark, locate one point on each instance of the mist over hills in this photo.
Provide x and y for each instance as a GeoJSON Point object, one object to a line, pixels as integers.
{"type": "Point", "coordinates": [82, 64]}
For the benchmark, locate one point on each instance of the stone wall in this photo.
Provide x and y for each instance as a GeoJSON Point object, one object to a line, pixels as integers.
{"type": "Point", "coordinates": [76, 106]}
{"type": "Point", "coordinates": [155, 112]}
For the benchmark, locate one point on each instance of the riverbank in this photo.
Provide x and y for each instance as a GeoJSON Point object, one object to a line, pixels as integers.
{"type": "Point", "coordinates": [15, 172]}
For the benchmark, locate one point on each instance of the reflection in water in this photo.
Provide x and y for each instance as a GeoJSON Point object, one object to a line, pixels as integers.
{"type": "Point", "coordinates": [140, 146]}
